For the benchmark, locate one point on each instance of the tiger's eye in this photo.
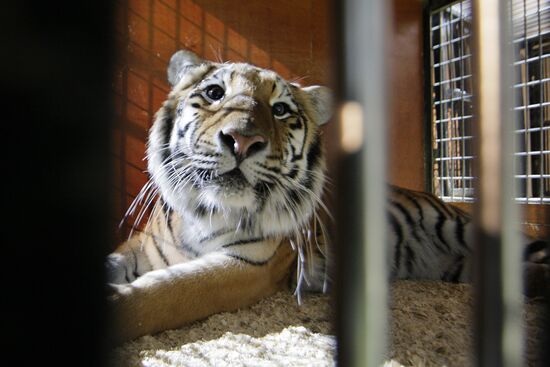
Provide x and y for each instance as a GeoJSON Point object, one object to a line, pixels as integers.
{"type": "Point", "coordinates": [280, 109]}
{"type": "Point", "coordinates": [215, 92]}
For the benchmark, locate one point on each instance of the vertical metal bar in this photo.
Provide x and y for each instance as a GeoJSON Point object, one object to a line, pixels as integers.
{"type": "Point", "coordinates": [450, 111]}
{"type": "Point", "coordinates": [365, 26]}
{"type": "Point", "coordinates": [430, 114]}
{"type": "Point", "coordinates": [512, 254]}
{"type": "Point", "coordinates": [527, 111]}
{"type": "Point", "coordinates": [441, 109]}
{"type": "Point", "coordinates": [462, 93]}
{"type": "Point", "coordinates": [541, 109]}
{"type": "Point", "coordinates": [498, 276]}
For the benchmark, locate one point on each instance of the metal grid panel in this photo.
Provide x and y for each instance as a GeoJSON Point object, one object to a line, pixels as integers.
{"type": "Point", "coordinates": [531, 27]}
{"type": "Point", "coordinates": [452, 130]}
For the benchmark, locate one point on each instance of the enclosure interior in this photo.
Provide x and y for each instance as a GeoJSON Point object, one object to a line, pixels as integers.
{"type": "Point", "coordinates": [290, 37]}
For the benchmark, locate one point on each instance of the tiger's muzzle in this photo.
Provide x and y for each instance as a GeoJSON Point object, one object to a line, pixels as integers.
{"type": "Point", "coordinates": [242, 143]}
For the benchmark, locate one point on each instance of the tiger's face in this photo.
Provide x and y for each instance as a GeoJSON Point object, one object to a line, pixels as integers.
{"type": "Point", "coordinates": [241, 141]}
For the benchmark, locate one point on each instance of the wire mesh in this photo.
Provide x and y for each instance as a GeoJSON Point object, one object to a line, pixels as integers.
{"type": "Point", "coordinates": [451, 83]}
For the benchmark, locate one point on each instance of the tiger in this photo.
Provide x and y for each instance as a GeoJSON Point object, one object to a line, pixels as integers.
{"type": "Point", "coordinates": [237, 177]}
{"type": "Point", "coordinates": [237, 174]}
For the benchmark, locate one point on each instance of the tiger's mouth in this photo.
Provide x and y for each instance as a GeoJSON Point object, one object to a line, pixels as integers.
{"type": "Point", "coordinates": [234, 175]}
{"type": "Point", "coordinates": [232, 179]}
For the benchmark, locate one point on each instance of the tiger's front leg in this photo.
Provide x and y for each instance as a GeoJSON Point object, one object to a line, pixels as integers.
{"type": "Point", "coordinates": [216, 282]}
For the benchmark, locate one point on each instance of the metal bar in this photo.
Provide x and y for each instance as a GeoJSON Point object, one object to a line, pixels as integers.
{"type": "Point", "coordinates": [526, 101]}
{"type": "Point", "coordinates": [365, 28]}
{"type": "Point", "coordinates": [454, 158]}
{"type": "Point", "coordinates": [533, 152]}
{"type": "Point", "coordinates": [534, 82]}
{"type": "Point", "coordinates": [532, 106]}
{"type": "Point", "coordinates": [429, 88]}
{"type": "Point", "coordinates": [447, 100]}
{"type": "Point", "coordinates": [498, 278]}
{"type": "Point", "coordinates": [457, 118]}
{"type": "Point", "coordinates": [458, 178]}
{"type": "Point", "coordinates": [457, 138]}
{"type": "Point", "coordinates": [452, 80]}
{"type": "Point", "coordinates": [462, 113]}
{"type": "Point", "coordinates": [441, 112]}
{"type": "Point", "coordinates": [454, 59]}
{"type": "Point", "coordinates": [450, 111]}
{"type": "Point", "coordinates": [532, 200]}
{"type": "Point", "coordinates": [541, 113]}
{"type": "Point", "coordinates": [544, 128]}
{"type": "Point", "coordinates": [533, 176]}
{"type": "Point", "coordinates": [532, 59]}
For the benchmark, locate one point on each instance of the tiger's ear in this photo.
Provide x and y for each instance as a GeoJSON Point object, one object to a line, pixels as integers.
{"type": "Point", "coordinates": [321, 103]}
{"type": "Point", "coordinates": [178, 62]}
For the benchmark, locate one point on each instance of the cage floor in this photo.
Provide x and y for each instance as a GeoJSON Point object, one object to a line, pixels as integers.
{"type": "Point", "coordinates": [430, 326]}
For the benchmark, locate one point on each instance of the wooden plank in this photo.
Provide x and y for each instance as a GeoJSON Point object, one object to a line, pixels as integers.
{"type": "Point", "coordinates": [406, 131]}
{"type": "Point", "coordinates": [534, 218]}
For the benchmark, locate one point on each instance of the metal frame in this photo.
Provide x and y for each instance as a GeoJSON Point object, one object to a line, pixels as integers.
{"type": "Point", "coordinates": [363, 27]}
{"type": "Point", "coordinates": [452, 135]}
{"type": "Point", "coordinates": [526, 172]}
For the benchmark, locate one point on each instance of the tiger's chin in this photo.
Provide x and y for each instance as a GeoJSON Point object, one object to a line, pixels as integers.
{"type": "Point", "coordinates": [233, 179]}
{"type": "Point", "coordinates": [230, 200]}
{"type": "Point", "coordinates": [230, 194]}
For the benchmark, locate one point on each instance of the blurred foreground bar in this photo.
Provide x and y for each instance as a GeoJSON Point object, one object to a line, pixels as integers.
{"type": "Point", "coordinates": [361, 252]}
{"type": "Point", "coordinates": [498, 278]}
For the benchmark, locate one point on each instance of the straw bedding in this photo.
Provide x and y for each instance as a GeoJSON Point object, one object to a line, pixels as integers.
{"type": "Point", "coordinates": [430, 326]}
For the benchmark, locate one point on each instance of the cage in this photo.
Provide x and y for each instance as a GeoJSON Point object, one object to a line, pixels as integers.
{"type": "Point", "coordinates": [415, 70]}
{"type": "Point", "coordinates": [430, 98]}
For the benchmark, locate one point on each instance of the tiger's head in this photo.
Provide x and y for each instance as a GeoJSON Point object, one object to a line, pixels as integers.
{"type": "Point", "coordinates": [240, 141]}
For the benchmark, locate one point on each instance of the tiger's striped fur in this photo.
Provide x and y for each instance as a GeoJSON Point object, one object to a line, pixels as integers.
{"type": "Point", "coordinates": [235, 159]}
{"type": "Point", "coordinates": [430, 239]}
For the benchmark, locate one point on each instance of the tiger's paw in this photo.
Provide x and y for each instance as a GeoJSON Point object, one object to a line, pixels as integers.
{"type": "Point", "coordinates": [112, 291]}
{"type": "Point", "coordinates": [118, 269]}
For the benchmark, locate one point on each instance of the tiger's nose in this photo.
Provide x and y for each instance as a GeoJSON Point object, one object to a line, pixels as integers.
{"type": "Point", "coordinates": [242, 145]}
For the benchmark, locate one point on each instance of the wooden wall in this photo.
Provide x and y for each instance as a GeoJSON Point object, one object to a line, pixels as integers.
{"type": "Point", "coordinates": [406, 133]}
